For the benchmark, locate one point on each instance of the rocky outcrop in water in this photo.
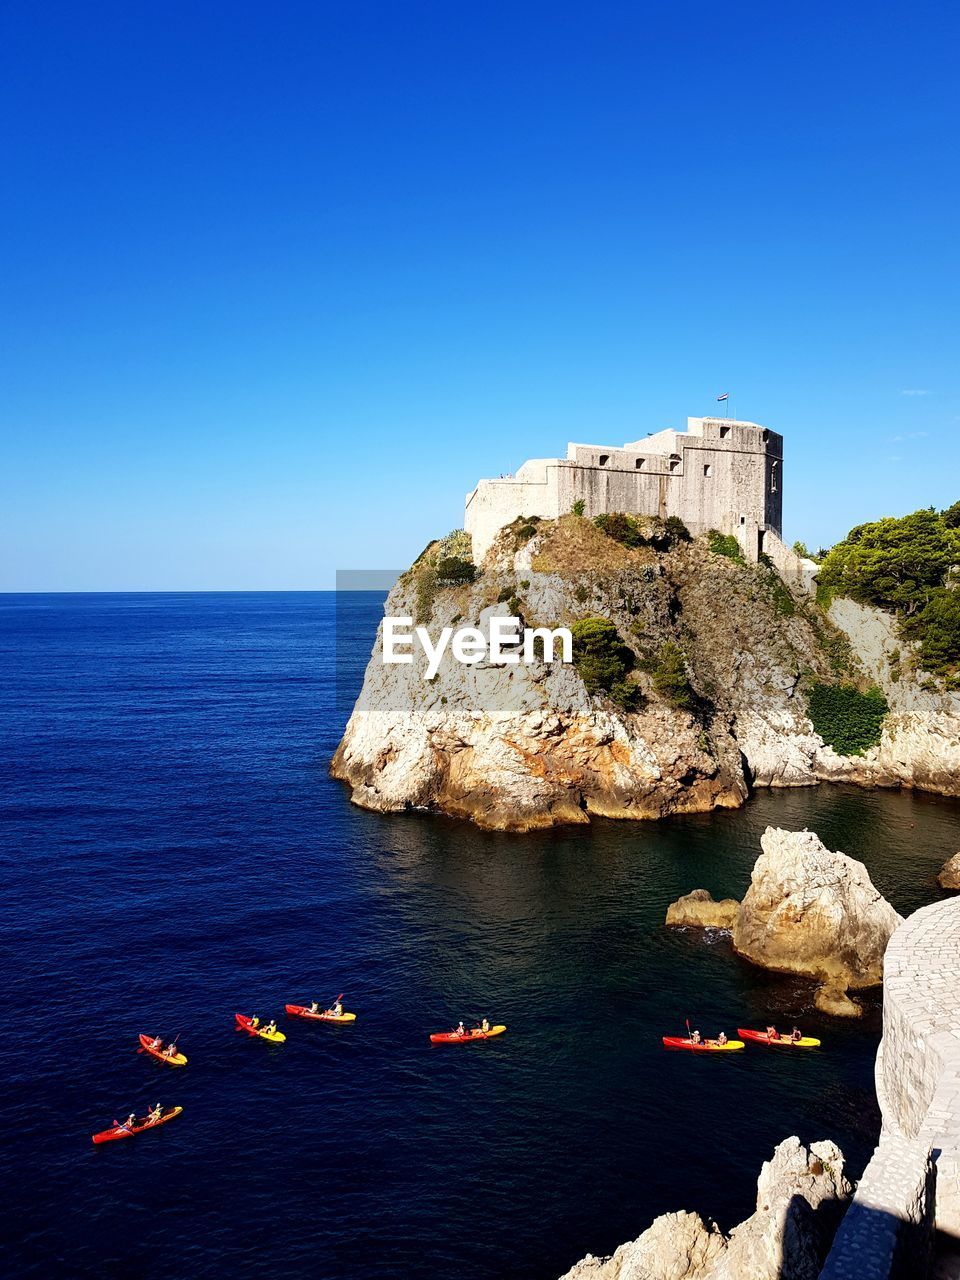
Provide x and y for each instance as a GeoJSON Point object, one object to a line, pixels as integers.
{"type": "Point", "coordinates": [722, 655]}
{"type": "Point", "coordinates": [801, 1195]}
{"type": "Point", "coordinates": [698, 910]}
{"type": "Point", "coordinates": [949, 875]}
{"type": "Point", "coordinates": [814, 912]}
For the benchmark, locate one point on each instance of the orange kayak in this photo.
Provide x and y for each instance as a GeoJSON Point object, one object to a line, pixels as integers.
{"type": "Point", "coordinates": [171, 1059]}
{"type": "Point", "coordinates": [322, 1015]}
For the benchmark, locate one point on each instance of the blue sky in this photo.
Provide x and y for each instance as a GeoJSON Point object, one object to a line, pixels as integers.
{"type": "Point", "coordinates": [280, 283]}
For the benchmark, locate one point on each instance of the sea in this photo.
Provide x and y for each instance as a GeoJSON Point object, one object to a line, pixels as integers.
{"type": "Point", "coordinates": [174, 852]}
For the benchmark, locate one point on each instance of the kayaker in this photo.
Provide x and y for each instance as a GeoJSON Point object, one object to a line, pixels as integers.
{"type": "Point", "coordinates": [772, 1033]}
{"type": "Point", "coordinates": [314, 1007]}
{"type": "Point", "coordinates": [722, 1038]}
{"type": "Point", "coordinates": [270, 1029]}
{"type": "Point", "coordinates": [255, 1020]}
{"type": "Point", "coordinates": [157, 1042]}
{"type": "Point", "coordinates": [795, 1035]}
{"type": "Point", "coordinates": [130, 1121]}
{"type": "Point", "coordinates": [461, 1029]}
{"type": "Point", "coordinates": [337, 1009]}
{"type": "Point", "coordinates": [696, 1038]}
{"type": "Point", "coordinates": [170, 1051]}
{"type": "Point", "coordinates": [485, 1025]}
{"type": "Point", "coordinates": [155, 1114]}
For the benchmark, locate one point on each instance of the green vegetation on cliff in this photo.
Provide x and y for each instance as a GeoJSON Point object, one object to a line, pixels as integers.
{"type": "Point", "coordinates": [668, 670]}
{"type": "Point", "coordinates": [906, 565]}
{"type": "Point", "coordinates": [603, 661]}
{"type": "Point", "coordinates": [849, 721]}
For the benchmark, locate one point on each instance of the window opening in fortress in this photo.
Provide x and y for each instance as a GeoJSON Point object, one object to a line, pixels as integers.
{"type": "Point", "coordinates": [773, 477]}
{"type": "Point", "coordinates": [604, 459]}
{"type": "Point", "coordinates": [707, 469]}
{"type": "Point", "coordinates": [674, 462]}
{"type": "Point", "coordinates": [639, 463]}
{"type": "Point", "coordinates": [724, 432]}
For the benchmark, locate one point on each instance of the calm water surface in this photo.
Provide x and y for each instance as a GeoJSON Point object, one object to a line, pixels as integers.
{"type": "Point", "coordinates": [173, 851]}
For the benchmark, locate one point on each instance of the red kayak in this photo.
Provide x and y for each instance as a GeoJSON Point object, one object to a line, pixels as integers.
{"type": "Point", "coordinates": [705, 1046]}
{"type": "Point", "coordinates": [122, 1131]}
{"type": "Point", "coordinates": [761, 1037]}
{"type": "Point", "coordinates": [454, 1037]}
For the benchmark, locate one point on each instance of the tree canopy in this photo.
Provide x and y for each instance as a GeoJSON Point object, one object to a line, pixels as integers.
{"type": "Point", "coordinates": [896, 563]}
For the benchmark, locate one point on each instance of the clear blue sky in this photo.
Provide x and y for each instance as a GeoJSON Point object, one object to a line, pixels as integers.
{"type": "Point", "coordinates": [280, 282]}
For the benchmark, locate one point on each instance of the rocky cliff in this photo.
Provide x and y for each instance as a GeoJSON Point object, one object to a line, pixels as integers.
{"type": "Point", "coordinates": [801, 1195]}
{"type": "Point", "coordinates": [809, 911]}
{"type": "Point", "coordinates": [815, 912]}
{"type": "Point", "coordinates": [720, 656]}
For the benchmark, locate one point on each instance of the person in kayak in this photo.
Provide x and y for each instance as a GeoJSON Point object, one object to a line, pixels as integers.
{"type": "Point", "coordinates": [156, 1042]}
{"type": "Point", "coordinates": [337, 1009]}
{"type": "Point", "coordinates": [314, 1007]}
{"type": "Point", "coordinates": [772, 1033]}
{"type": "Point", "coordinates": [255, 1020]}
{"type": "Point", "coordinates": [461, 1029]}
{"type": "Point", "coordinates": [270, 1029]}
{"type": "Point", "coordinates": [696, 1038]}
{"type": "Point", "coordinates": [155, 1114]}
{"type": "Point", "coordinates": [722, 1038]}
{"type": "Point", "coordinates": [795, 1035]}
{"type": "Point", "coordinates": [485, 1025]}
{"type": "Point", "coordinates": [130, 1121]}
{"type": "Point", "coordinates": [170, 1051]}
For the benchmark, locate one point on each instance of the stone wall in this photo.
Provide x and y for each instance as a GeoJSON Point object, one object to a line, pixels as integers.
{"type": "Point", "coordinates": [718, 474]}
{"type": "Point", "coordinates": [912, 1182]}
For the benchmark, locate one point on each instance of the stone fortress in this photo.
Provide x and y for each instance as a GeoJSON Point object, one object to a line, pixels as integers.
{"type": "Point", "coordinates": [718, 474]}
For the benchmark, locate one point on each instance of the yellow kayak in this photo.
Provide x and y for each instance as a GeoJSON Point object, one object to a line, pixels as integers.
{"type": "Point", "coordinates": [246, 1024]}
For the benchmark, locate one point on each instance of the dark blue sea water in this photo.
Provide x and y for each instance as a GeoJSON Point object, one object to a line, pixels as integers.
{"type": "Point", "coordinates": [173, 851]}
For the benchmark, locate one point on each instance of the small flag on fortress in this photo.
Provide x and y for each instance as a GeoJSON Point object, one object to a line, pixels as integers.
{"type": "Point", "coordinates": [725, 396]}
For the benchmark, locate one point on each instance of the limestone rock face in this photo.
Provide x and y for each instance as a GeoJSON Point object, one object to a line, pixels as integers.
{"type": "Point", "coordinates": [949, 877]}
{"type": "Point", "coordinates": [801, 1195]}
{"type": "Point", "coordinates": [813, 912]}
{"type": "Point", "coordinates": [832, 998]}
{"type": "Point", "coordinates": [920, 745]}
{"type": "Point", "coordinates": [522, 746]}
{"type": "Point", "coordinates": [698, 910]}
{"type": "Point", "coordinates": [676, 1246]}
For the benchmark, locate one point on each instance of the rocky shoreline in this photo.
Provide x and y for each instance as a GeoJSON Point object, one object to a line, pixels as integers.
{"type": "Point", "coordinates": [802, 1194]}
{"type": "Point", "coordinates": [808, 911]}
{"type": "Point", "coordinates": [520, 747]}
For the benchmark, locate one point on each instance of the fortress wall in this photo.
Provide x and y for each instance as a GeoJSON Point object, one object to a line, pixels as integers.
{"type": "Point", "coordinates": [796, 571]}
{"type": "Point", "coordinates": [912, 1182]}
{"type": "Point", "coordinates": [719, 474]}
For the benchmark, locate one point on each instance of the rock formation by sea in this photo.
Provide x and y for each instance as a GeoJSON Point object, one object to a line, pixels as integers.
{"type": "Point", "coordinates": [801, 1196]}
{"type": "Point", "coordinates": [718, 658]}
{"type": "Point", "coordinates": [809, 911]}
